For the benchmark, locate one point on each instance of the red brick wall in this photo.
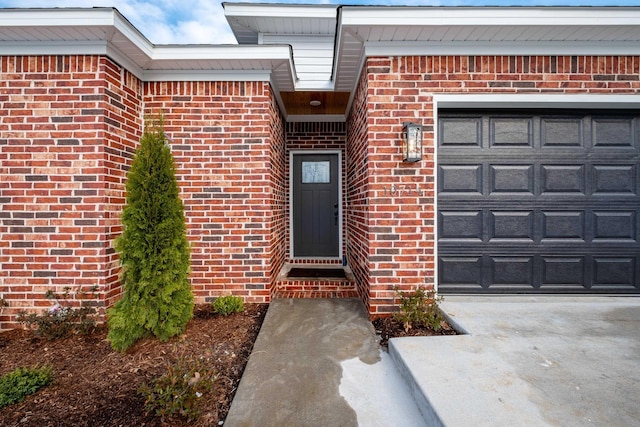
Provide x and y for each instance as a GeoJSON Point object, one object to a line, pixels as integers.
{"type": "Point", "coordinates": [69, 126]}
{"type": "Point", "coordinates": [278, 180]}
{"type": "Point", "coordinates": [358, 176]}
{"type": "Point", "coordinates": [315, 136]}
{"type": "Point", "coordinates": [123, 123]}
{"type": "Point", "coordinates": [401, 196]}
{"type": "Point", "coordinates": [221, 139]}
{"type": "Point", "coordinates": [61, 184]}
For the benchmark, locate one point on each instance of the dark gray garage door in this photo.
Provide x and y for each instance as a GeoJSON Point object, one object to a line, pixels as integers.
{"type": "Point", "coordinates": [539, 202]}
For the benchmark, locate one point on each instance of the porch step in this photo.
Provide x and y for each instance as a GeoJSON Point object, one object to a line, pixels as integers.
{"type": "Point", "coordinates": [318, 281]}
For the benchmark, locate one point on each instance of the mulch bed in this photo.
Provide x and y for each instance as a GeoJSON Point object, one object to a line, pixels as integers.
{"type": "Point", "coordinates": [388, 327]}
{"type": "Point", "coordinates": [96, 386]}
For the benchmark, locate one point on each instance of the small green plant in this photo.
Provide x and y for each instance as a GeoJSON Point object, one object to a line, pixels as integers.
{"type": "Point", "coordinates": [228, 304]}
{"type": "Point", "coordinates": [62, 319]}
{"type": "Point", "coordinates": [177, 392]}
{"type": "Point", "coordinates": [419, 308]}
{"type": "Point", "coordinates": [22, 382]}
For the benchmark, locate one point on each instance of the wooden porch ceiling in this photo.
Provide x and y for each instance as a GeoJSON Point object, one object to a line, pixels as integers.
{"type": "Point", "coordinates": [299, 103]}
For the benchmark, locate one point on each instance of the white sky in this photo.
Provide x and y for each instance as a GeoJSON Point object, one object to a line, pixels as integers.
{"type": "Point", "coordinates": [203, 21]}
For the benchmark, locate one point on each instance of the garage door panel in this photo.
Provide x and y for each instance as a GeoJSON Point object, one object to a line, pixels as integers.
{"type": "Point", "coordinates": [608, 132]}
{"type": "Point", "coordinates": [460, 179]}
{"type": "Point", "coordinates": [563, 179]}
{"type": "Point", "coordinates": [465, 132]}
{"type": "Point", "coordinates": [511, 132]}
{"type": "Point", "coordinates": [615, 180]}
{"type": "Point", "coordinates": [614, 272]}
{"type": "Point", "coordinates": [563, 225]}
{"type": "Point", "coordinates": [563, 271]}
{"type": "Point", "coordinates": [461, 225]}
{"type": "Point", "coordinates": [551, 273]}
{"type": "Point", "coordinates": [511, 225]}
{"type": "Point", "coordinates": [562, 132]}
{"type": "Point", "coordinates": [462, 272]}
{"type": "Point", "coordinates": [541, 204]}
{"type": "Point", "coordinates": [619, 225]}
{"type": "Point", "coordinates": [511, 271]}
{"type": "Point", "coordinates": [511, 179]}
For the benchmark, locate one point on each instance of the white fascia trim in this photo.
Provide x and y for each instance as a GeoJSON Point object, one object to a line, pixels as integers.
{"type": "Point", "coordinates": [279, 10]}
{"type": "Point", "coordinates": [315, 85]}
{"type": "Point", "coordinates": [511, 101]}
{"type": "Point", "coordinates": [58, 17]}
{"type": "Point", "coordinates": [75, 17]}
{"type": "Point", "coordinates": [54, 48]}
{"type": "Point", "coordinates": [224, 52]}
{"type": "Point", "coordinates": [132, 34]}
{"type": "Point", "coordinates": [501, 48]}
{"type": "Point", "coordinates": [490, 16]}
{"type": "Point", "coordinates": [206, 75]}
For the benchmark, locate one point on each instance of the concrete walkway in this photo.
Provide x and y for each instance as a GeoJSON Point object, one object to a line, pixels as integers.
{"type": "Point", "coordinates": [525, 361]}
{"type": "Point", "coordinates": [316, 362]}
{"type": "Point", "coordinates": [529, 361]}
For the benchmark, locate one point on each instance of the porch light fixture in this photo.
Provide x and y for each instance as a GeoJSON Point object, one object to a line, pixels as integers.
{"type": "Point", "coordinates": [411, 142]}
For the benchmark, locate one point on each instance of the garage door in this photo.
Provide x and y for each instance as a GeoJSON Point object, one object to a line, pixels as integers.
{"type": "Point", "coordinates": [539, 202]}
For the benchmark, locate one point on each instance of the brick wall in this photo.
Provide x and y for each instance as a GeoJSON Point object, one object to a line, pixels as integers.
{"type": "Point", "coordinates": [401, 196]}
{"type": "Point", "coordinates": [357, 176]}
{"type": "Point", "coordinates": [61, 179]}
{"type": "Point", "coordinates": [123, 129]}
{"type": "Point", "coordinates": [69, 126]}
{"type": "Point", "coordinates": [279, 190]}
{"type": "Point", "coordinates": [315, 136]}
{"type": "Point", "coordinates": [221, 140]}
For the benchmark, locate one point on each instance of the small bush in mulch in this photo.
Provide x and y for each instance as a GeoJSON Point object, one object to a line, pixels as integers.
{"type": "Point", "coordinates": [419, 315]}
{"type": "Point", "coordinates": [228, 305]}
{"type": "Point", "coordinates": [388, 327]}
{"type": "Point", "coordinates": [20, 383]}
{"type": "Point", "coordinates": [177, 393]}
{"type": "Point", "coordinates": [62, 319]}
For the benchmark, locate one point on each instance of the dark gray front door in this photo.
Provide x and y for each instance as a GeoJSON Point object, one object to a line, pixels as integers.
{"type": "Point", "coordinates": [539, 202]}
{"type": "Point", "coordinates": [315, 205]}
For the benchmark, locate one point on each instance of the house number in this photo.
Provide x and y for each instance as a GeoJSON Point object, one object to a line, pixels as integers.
{"type": "Point", "coordinates": [403, 190]}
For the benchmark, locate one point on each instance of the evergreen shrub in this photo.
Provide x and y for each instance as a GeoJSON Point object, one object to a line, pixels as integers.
{"type": "Point", "coordinates": [154, 250]}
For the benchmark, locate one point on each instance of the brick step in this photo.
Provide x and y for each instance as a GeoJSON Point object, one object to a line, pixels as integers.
{"type": "Point", "coordinates": [315, 287]}
{"type": "Point", "coordinates": [352, 293]}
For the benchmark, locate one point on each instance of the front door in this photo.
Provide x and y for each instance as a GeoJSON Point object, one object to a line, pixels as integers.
{"type": "Point", "coordinates": [316, 205]}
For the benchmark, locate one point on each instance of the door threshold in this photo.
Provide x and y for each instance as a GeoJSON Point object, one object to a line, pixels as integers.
{"type": "Point", "coordinates": [314, 271]}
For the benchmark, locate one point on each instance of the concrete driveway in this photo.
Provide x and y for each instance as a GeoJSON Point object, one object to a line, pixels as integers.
{"type": "Point", "coordinates": [529, 361]}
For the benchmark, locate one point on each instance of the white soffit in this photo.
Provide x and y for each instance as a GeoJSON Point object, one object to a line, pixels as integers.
{"type": "Point", "coordinates": [249, 20]}
{"type": "Point", "coordinates": [385, 31]}
{"type": "Point", "coordinates": [104, 31]}
{"type": "Point", "coordinates": [308, 29]}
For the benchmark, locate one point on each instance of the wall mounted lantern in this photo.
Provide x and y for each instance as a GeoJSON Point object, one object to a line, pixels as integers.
{"type": "Point", "coordinates": [411, 142]}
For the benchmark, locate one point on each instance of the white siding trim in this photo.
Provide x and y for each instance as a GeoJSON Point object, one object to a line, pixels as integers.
{"type": "Point", "coordinates": [489, 16]}
{"type": "Point", "coordinates": [546, 100]}
{"type": "Point", "coordinates": [206, 76]}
